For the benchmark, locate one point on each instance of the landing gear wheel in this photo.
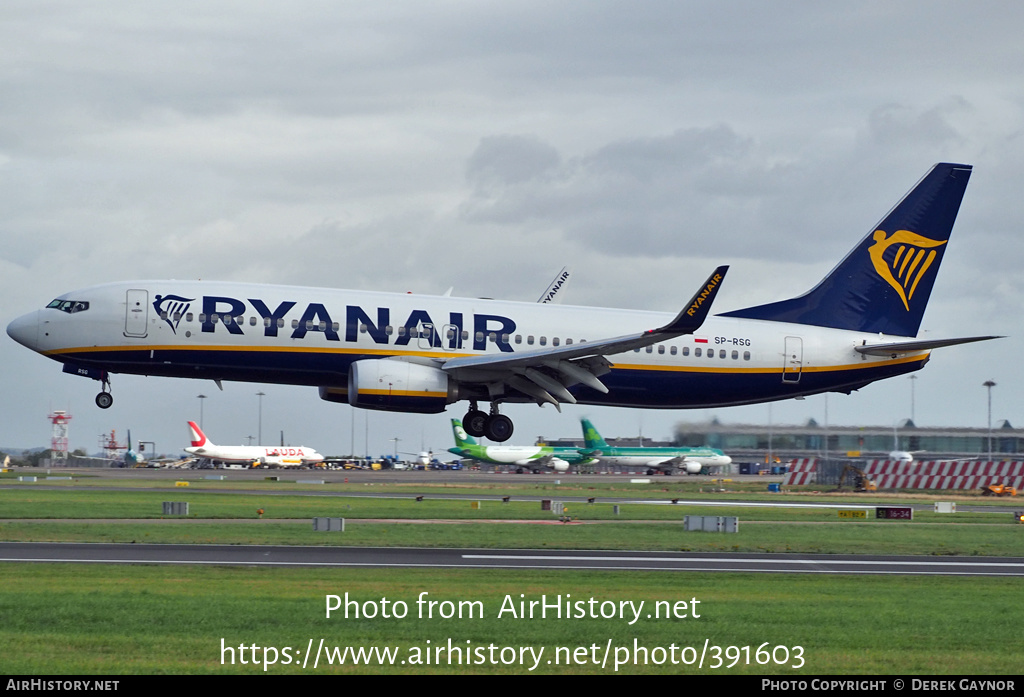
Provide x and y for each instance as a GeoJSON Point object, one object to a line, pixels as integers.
{"type": "Point", "coordinates": [104, 400]}
{"type": "Point", "coordinates": [474, 422]}
{"type": "Point", "coordinates": [498, 428]}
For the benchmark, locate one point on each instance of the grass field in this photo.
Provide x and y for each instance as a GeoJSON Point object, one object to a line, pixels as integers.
{"type": "Point", "coordinates": [147, 620]}
{"type": "Point", "coordinates": [102, 619]}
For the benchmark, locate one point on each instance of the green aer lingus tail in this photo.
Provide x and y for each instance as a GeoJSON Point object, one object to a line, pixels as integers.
{"type": "Point", "coordinates": [536, 458]}
{"type": "Point", "coordinates": [690, 460]}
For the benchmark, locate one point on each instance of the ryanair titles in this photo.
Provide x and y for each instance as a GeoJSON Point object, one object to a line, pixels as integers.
{"type": "Point", "coordinates": [704, 294]}
{"type": "Point", "coordinates": [455, 332]}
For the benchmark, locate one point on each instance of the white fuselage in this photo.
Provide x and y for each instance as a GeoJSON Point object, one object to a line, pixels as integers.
{"type": "Point", "coordinates": [271, 456]}
{"type": "Point", "coordinates": [683, 462]}
{"type": "Point", "coordinates": [310, 336]}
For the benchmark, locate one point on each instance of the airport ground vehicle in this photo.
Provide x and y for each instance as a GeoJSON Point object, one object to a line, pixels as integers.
{"type": "Point", "coordinates": [861, 481]}
{"type": "Point", "coordinates": [999, 490]}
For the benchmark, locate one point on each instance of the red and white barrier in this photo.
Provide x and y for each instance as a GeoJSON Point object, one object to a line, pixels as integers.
{"type": "Point", "coordinates": [926, 474]}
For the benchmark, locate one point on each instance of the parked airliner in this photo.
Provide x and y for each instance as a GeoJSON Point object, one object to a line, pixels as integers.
{"type": "Point", "coordinates": [536, 458]}
{"type": "Point", "coordinates": [252, 455]}
{"type": "Point", "coordinates": [412, 353]}
{"type": "Point", "coordinates": [659, 459]}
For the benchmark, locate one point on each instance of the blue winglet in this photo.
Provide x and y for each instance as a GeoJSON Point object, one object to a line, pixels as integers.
{"type": "Point", "coordinates": [696, 311]}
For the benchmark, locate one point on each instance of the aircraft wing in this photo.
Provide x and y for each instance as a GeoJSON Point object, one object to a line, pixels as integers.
{"type": "Point", "coordinates": [922, 345]}
{"type": "Point", "coordinates": [545, 374]}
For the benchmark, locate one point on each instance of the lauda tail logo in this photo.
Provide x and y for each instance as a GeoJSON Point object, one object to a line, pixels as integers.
{"type": "Point", "coordinates": [171, 309]}
{"type": "Point", "coordinates": [198, 437]}
{"type": "Point", "coordinates": [902, 259]}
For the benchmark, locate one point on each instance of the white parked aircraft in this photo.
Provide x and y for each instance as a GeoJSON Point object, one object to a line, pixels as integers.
{"type": "Point", "coordinates": [254, 455]}
{"type": "Point", "coordinates": [656, 459]}
{"type": "Point", "coordinates": [402, 352]}
{"type": "Point", "coordinates": [904, 456]}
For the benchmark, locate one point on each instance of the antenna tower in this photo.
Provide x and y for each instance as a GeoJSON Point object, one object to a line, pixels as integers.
{"type": "Point", "coordinates": [59, 438]}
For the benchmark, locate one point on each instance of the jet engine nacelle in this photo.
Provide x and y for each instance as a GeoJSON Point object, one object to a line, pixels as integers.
{"type": "Point", "coordinates": [559, 465]}
{"type": "Point", "coordinates": [393, 385]}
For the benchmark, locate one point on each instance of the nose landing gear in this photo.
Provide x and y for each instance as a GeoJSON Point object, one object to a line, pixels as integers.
{"type": "Point", "coordinates": [104, 399]}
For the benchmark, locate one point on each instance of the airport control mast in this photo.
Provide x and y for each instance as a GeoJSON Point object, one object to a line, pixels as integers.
{"type": "Point", "coordinates": [59, 438]}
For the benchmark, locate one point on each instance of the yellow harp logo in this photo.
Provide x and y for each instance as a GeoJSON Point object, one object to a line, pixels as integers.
{"type": "Point", "coordinates": [905, 269]}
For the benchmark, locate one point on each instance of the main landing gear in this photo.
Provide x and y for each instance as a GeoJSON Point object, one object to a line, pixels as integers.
{"type": "Point", "coordinates": [493, 426]}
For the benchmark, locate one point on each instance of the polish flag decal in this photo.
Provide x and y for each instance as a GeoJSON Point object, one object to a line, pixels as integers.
{"type": "Point", "coordinates": [699, 340]}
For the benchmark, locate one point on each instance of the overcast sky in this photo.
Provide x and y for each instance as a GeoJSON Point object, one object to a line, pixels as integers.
{"type": "Point", "coordinates": [413, 146]}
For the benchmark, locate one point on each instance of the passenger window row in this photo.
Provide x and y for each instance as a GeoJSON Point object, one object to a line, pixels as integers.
{"type": "Point", "coordinates": [530, 340]}
{"type": "Point", "coordinates": [519, 339]}
{"type": "Point", "coordinates": [697, 352]}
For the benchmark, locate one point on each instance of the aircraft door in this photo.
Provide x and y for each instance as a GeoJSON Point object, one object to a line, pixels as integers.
{"type": "Point", "coordinates": [793, 359]}
{"type": "Point", "coordinates": [451, 337]}
{"type": "Point", "coordinates": [427, 337]}
{"type": "Point", "coordinates": [136, 313]}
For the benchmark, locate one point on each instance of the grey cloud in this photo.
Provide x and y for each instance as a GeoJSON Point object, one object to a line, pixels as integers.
{"type": "Point", "coordinates": [507, 160]}
{"type": "Point", "coordinates": [898, 124]}
{"type": "Point", "coordinates": [693, 191]}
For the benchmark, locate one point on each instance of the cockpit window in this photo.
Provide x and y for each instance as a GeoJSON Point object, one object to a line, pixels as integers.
{"type": "Point", "coordinates": [69, 306]}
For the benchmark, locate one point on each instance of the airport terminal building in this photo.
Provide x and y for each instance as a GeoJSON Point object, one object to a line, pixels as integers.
{"type": "Point", "coordinates": [755, 442]}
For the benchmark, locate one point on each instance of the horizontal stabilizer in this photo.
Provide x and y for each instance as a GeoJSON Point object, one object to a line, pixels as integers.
{"type": "Point", "coordinates": [910, 346]}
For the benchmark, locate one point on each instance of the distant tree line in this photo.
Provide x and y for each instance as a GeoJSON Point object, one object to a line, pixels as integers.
{"type": "Point", "coordinates": [31, 458]}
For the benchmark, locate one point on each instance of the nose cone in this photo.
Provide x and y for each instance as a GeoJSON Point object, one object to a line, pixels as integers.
{"type": "Point", "coordinates": [25, 330]}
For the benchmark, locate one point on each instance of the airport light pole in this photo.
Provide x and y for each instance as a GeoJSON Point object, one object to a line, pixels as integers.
{"type": "Point", "coordinates": [259, 433]}
{"type": "Point", "coordinates": [913, 381]}
{"type": "Point", "coordinates": [201, 398]}
{"type": "Point", "coordinates": [989, 384]}
{"type": "Point", "coordinates": [826, 427]}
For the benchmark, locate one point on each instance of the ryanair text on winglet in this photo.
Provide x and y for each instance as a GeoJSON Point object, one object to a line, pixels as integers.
{"type": "Point", "coordinates": [712, 284]}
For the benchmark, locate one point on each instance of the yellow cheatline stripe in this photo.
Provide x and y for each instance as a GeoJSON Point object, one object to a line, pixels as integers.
{"type": "Point", "coordinates": [258, 349]}
{"type": "Point", "coordinates": [804, 369]}
{"type": "Point", "coordinates": [405, 393]}
{"type": "Point", "coordinates": [384, 353]}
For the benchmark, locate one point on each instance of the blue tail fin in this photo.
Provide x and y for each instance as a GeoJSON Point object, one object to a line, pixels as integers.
{"type": "Point", "coordinates": [883, 285]}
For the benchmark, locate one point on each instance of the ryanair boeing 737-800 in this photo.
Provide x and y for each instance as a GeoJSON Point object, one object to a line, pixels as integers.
{"type": "Point", "coordinates": [399, 352]}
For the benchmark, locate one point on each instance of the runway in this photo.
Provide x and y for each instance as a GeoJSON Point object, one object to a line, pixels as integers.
{"type": "Point", "coordinates": [390, 557]}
